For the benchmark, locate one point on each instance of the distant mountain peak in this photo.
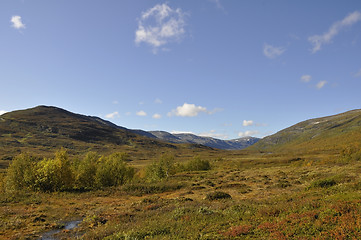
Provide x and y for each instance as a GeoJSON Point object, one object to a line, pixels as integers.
{"type": "Point", "coordinates": [234, 144]}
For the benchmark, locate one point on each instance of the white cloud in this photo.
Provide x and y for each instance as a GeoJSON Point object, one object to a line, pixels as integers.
{"type": "Point", "coordinates": [156, 116]}
{"type": "Point", "coordinates": [247, 123]}
{"type": "Point", "coordinates": [16, 22]}
{"type": "Point", "coordinates": [181, 132]}
{"type": "Point", "coordinates": [318, 40]}
{"type": "Point", "coordinates": [115, 102]}
{"type": "Point", "coordinates": [112, 115]}
{"type": "Point", "coordinates": [321, 84]}
{"type": "Point", "coordinates": [306, 78]}
{"type": "Point", "coordinates": [213, 134]}
{"type": "Point", "coordinates": [2, 112]}
{"type": "Point", "coordinates": [187, 110]}
{"type": "Point", "coordinates": [160, 25]}
{"type": "Point", "coordinates": [272, 52]}
{"type": "Point", "coordinates": [141, 113]}
{"type": "Point", "coordinates": [248, 133]}
{"type": "Point", "coordinates": [358, 74]}
{"type": "Point", "coordinates": [158, 101]}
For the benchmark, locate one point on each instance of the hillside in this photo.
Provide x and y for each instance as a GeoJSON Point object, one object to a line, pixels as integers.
{"type": "Point", "coordinates": [234, 144]}
{"type": "Point", "coordinates": [44, 129]}
{"type": "Point", "coordinates": [330, 133]}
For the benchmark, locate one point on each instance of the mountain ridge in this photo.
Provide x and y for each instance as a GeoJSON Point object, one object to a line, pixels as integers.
{"type": "Point", "coordinates": [44, 128]}
{"type": "Point", "coordinates": [233, 144]}
{"type": "Point", "coordinates": [327, 133]}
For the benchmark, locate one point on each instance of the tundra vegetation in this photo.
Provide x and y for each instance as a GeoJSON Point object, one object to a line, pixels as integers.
{"type": "Point", "coordinates": [225, 195]}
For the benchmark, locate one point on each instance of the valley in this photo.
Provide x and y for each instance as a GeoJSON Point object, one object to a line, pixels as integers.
{"type": "Point", "coordinates": [300, 183]}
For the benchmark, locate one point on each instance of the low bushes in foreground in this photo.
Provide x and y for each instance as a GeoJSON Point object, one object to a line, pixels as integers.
{"type": "Point", "coordinates": [63, 174]}
{"type": "Point", "coordinates": [166, 166]}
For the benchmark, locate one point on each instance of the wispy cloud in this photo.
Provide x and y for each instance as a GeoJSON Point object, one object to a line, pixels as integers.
{"type": "Point", "coordinates": [16, 22]}
{"type": "Point", "coordinates": [158, 101]}
{"type": "Point", "coordinates": [112, 115]}
{"type": "Point", "coordinates": [272, 52]}
{"type": "Point", "coordinates": [218, 5]}
{"type": "Point", "coordinates": [187, 110]}
{"type": "Point", "coordinates": [318, 40]}
{"type": "Point", "coordinates": [248, 133]}
{"type": "Point", "coordinates": [160, 25]}
{"type": "Point", "coordinates": [141, 113]}
{"type": "Point", "coordinates": [306, 78]}
{"type": "Point", "coordinates": [358, 74]}
{"type": "Point", "coordinates": [247, 123]}
{"type": "Point", "coordinates": [156, 116]}
{"type": "Point", "coordinates": [2, 112]}
{"type": "Point", "coordinates": [321, 84]}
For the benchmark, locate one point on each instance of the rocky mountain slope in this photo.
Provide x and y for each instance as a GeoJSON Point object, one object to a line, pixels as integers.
{"type": "Point", "coordinates": [44, 129]}
{"type": "Point", "coordinates": [326, 133]}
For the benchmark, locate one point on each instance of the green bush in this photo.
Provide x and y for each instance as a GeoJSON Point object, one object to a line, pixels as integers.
{"type": "Point", "coordinates": [86, 171]}
{"type": "Point", "coordinates": [62, 174]}
{"type": "Point", "coordinates": [161, 169]}
{"type": "Point", "coordinates": [113, 171]}
{"type": "Point", "coordinates": [54, 174]}
{"type": "Point", "coordinates": [20, 174]}
{"type": "Point", "coordinates": [197, 164]}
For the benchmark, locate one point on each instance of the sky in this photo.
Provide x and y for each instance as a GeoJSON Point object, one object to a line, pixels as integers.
{"type": "Point", "coordinates": [219, 68]}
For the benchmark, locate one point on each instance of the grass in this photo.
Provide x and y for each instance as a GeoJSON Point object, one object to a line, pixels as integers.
{"type": "Point", "coordinates": [271, 198]}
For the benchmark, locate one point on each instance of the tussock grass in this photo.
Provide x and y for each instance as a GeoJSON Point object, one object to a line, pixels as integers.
{"type": "Point", "coordinates": [281, 196]}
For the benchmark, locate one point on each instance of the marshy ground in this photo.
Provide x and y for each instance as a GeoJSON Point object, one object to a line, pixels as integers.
{"type": "Point", "coordinates": [270, 197]}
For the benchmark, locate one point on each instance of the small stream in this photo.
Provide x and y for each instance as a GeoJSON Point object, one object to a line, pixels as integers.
{"type": "Point", "coordinates": [51, 235]}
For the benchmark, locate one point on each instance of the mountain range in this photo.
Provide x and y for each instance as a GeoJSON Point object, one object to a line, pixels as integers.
{"type": "Point", "coordinates": [43, 129]}
{"type": "Point", "coordinates": [234, 144]}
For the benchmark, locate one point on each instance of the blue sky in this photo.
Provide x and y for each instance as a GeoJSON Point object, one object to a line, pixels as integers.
{"type": "Point", "coordinates": [218, 68]}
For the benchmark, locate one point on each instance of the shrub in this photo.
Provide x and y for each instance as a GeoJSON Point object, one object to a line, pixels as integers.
{"type": "Point", "coordinates": [54, 174]}
{"type": "Point", "coordinates": [161, 169]}
{"type": "Point", "coordinates": [113, 171]}
{"type": "Point", "coordinates": [86, 171]}
{"type": "Point", "coordinates": [62, 174]}
{"type": "Point", "coordinates": [323, 183]}
{"type": "Point", "coordinates": [197, 164]}
{"type": "Point", "coordinates": [217, 196]}
{"type": "Point", "coordinates": [351, 153]}
{"type": "Point", "coordinates": [20, 174]}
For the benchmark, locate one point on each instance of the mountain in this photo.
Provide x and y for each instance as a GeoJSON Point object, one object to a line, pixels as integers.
{"type": "Point", "coordinates": [235, 144]}
{"type": "Point", "coordinates": [44, 129]}
{"type": "Point", "coordinates": [327, 133]}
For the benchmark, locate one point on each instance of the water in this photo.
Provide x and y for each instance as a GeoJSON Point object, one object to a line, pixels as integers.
{"type": "Point", "coordinates": [51, 234]}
